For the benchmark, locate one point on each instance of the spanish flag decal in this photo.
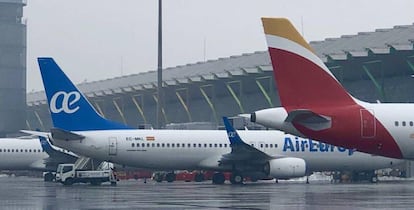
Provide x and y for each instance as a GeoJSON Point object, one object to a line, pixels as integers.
{"type": "Point", "coordinates": [150, 138]}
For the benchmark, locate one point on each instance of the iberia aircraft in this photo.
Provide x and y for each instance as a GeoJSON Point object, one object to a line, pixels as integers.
{"type": "Point", "coordinates": [315, 105]}
{"type": "Point", "coordinates": [79, 128]}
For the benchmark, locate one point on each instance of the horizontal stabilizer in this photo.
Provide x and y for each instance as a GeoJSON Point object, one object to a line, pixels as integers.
{"type": "Point", "coordinates": [36, 133]}
{"type": "Point", "coordinates": [309, 119]}
{"type": "Point", "coordinates": [58, 133]}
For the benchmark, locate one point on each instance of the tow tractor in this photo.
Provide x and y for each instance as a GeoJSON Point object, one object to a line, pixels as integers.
{"type": "Point", "coordinates": [67, 174]}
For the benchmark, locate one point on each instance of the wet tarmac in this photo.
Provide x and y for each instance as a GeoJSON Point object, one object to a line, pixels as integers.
{"type": "Point", "coordinates": [33, 193]}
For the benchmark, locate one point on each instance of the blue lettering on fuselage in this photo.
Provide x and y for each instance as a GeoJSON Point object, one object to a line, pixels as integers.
{"type": "Point", "coordinates": [302, 145]}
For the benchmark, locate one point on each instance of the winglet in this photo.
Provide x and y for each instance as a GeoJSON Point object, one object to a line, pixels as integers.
{"type": "Point", "coordinates": [46, 146]}
{"type": "Point", "coordinates": [232, 133]}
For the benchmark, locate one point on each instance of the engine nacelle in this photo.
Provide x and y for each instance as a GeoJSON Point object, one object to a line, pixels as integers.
{"type": "Point", "coordinates": [286, 168]}
{"type": "Point", "coordinates": [271, 118]}
{"type": "Point", "coordinates": [274, 118]}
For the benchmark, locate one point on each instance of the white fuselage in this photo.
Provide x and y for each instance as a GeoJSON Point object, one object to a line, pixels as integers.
{"type": "Point", "coordinates": [398, 120]}
{"type": "Point", "coordinates": [21, 154]}
{"type": "Point", "coordinates": [201, 149]}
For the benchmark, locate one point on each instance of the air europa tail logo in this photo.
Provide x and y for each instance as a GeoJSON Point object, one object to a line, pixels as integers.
{"type": "Point", "coordinates": [67, 101]}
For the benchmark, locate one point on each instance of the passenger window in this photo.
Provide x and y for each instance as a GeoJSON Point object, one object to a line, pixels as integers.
{"type": "Point", "coordinates": [168, 144]}
{"type": "Point", "coordinates": [12, 150]}
{"type": "Point", "coordinates": [0, 150]}
{"type": "Point", "coordinates": [162, 145]}
{"type": "Point", "coordinates": [8, 150]}
{"type": "Point", "coordinates": [275, 145]}
{"type": "Point", "coordinates": [30, 150]}
{"type": "Point", "coordinates": [211, 145]}
{"type": "Point", "coordinates": [158, 144]}
{"type": "Point", "coordinates": [143, 145]}
{"type": "Point", "coordinates": [188, 145]}
{"type": "Point", "coordinates": [220, 145]}
{"type": "Point", "coordinates": [261, 145]}
{"type": "Point", "coordinates": [396, 123]}
{"type": "Point", "coordinates": [148, 144]}
{"type": "Point", "coordinates": [403, 123]}
{"type": "Point", "coordinates": [137, 144]}
{"type": "Point", "coordinates": [205, 145]}
{"type": "Point", "coordinates": [178, 145]}
{"type": "Point", "coordinates": [225, 145]}
{"type": "Point", "coordinates": [195, 145]}
{"type": "Point", "coordinates": [271, 145]}
{"type": "Point", "coordinates": [199, 145]}
{"type": "Point", "coordinates": [21, 150]}
{"type": "Point", "coordinates": [215, 145]}
{"type": "Point", "coordinates": [172, 145]}
{"type": "Point", "coordinates": [411, 123]}
{"type": "Point", "coordinates": [25, 150]}
{"type": "Point", "coordinates": [266, 145]}
{"type": "Point", "coordinates": [153, 145]}
{"type": "Point", "coordinates": [133, 145]}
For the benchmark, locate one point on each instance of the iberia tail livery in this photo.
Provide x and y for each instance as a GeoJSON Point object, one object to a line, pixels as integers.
{"type": "Point", "coordinates": [316, 105]}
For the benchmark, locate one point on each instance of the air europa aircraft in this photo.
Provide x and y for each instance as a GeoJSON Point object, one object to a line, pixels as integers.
{"type": "Point", "coordinates": [79, 128]}
{"type": "Point", "coordinates": [35, 154]}
{"type": "Point", "coordinates": [315, 105]}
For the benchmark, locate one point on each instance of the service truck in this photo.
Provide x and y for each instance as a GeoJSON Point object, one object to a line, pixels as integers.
{"type": "Point", "coordinates": [67, 174]}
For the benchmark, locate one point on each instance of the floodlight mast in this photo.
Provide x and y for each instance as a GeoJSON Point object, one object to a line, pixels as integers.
{"type": "Point", "coordinates": [159, 69]}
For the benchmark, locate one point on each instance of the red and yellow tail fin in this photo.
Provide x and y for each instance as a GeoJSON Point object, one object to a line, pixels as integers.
{"type": "Point", "coordinates": [302, 78]}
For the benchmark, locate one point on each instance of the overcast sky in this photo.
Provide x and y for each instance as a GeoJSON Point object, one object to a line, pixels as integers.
{"type": "Point", "coordinates": [99, 39]}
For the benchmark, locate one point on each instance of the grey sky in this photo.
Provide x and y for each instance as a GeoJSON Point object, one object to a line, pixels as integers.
{"type": "Point", "coordinates": [99, 39]}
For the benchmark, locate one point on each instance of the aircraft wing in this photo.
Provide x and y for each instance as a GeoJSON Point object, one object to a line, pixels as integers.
{"type": "Point", "coordinates": [241, 151]}
{"type": "Point", "coordinates": [64, 134]}
{"type": "Point", "coordinates": [36, 133]}
{"type": "Point", "coordinates": [56, 152]}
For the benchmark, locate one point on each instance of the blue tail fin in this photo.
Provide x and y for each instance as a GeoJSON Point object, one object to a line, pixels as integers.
{"type": "Point", "coordinates": [69, 108]}
{"type": "Point", "coordinates": [232, 133]}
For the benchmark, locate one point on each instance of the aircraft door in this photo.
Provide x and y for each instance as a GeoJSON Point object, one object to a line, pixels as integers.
{"type": "Point", "coordinates": [113, 146]}
{"type": "Point", "coordinates": [368, 128]}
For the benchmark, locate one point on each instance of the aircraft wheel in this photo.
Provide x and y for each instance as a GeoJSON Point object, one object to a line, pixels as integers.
{"type": "Point", "coordinates": [236, 178]}
{"type": "Point", "coordinates": [199, 177]}
{"type": "Point", "coordinates": [218, 178]}
{"type": "Point", "coordinates": [158, 177]}
{"type": "Point", "coordinates": [374, 179]}
{"type": "Point", "coordinates": [170, 177]}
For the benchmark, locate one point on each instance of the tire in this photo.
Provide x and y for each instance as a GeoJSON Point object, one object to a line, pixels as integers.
{"type": "Point", "coordinates": [49, 177]}
{"type": "Point", "coordinates": [158, 177]}
{"type": "Point", "coordinates": [218, 178]}
{"type": "Point", "coordinates": [236, 178]}
{"type": "Point", "coordinates": [170, 177]}
{"type": "Point", "coordinates": [199, 177]}
{"type": "Point", "coordinates": [68, 181]}
{"type": "Point", "coordinates": [374, 179]}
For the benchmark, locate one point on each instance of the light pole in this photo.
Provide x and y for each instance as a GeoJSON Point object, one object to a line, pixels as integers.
{"type": "Point", "coordinates": [159, 69]}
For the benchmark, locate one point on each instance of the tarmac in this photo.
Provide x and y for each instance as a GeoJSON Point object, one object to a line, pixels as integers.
{"type": "Point", "coordinates": [33, 193]}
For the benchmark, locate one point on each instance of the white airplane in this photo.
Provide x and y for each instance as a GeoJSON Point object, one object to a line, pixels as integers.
{"type": "Point", "coordinates": [28, 153]}
{"type": "Point", "coordinates": [315, 105]}
{"type": "Point", "coordinates": [79, 128]}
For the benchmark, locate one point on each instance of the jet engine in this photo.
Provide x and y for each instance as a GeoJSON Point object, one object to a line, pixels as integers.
{"type": "Point", "coordinates": [271, 118]}
{"type": "Point", "coordinates": [285, 168]}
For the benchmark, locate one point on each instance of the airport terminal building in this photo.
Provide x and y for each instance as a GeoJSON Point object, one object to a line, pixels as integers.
{"type": "Point", "coordinates": [373, 66]}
